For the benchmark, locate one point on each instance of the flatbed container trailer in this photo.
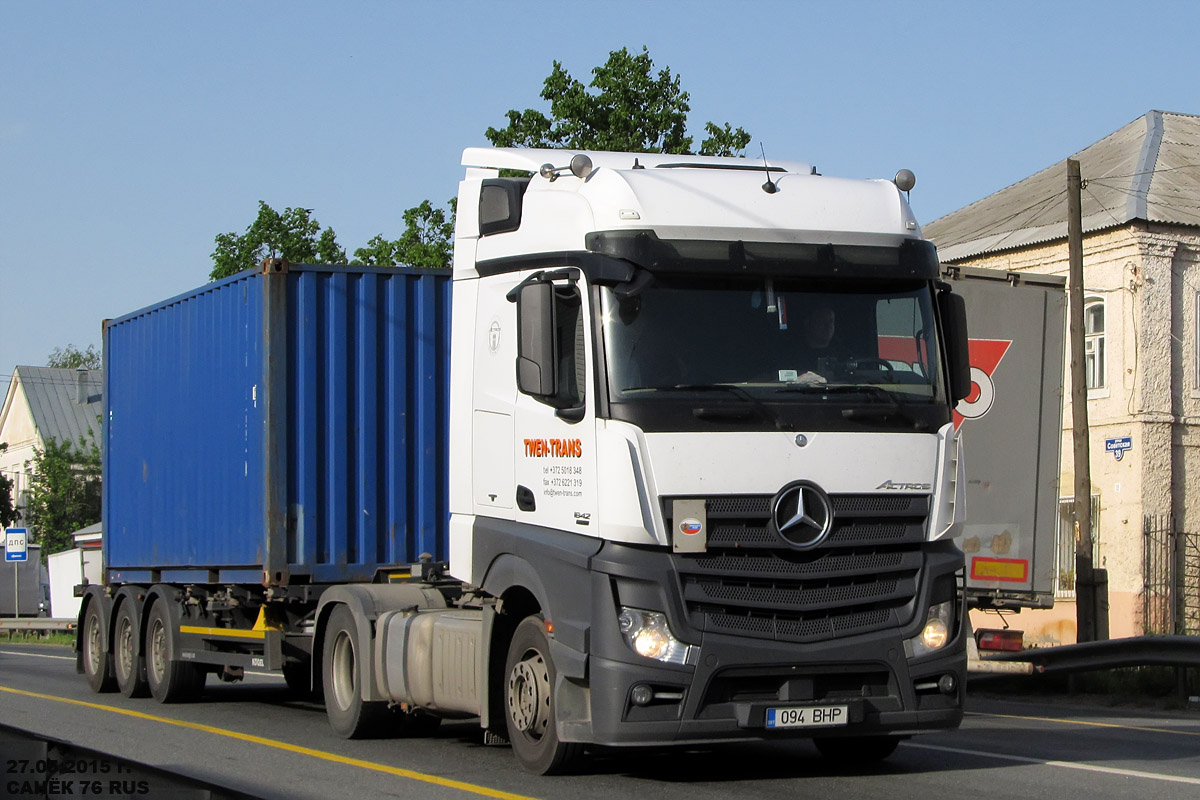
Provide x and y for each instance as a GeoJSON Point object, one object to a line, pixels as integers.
{"type": "Point", "coordinates": [613, 489]}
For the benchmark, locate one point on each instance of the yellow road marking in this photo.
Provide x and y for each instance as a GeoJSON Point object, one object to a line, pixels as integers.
{"type": "Point", "coordinates": [291, 748]}
{"type": "Point", "coordinates": [1087, 723]}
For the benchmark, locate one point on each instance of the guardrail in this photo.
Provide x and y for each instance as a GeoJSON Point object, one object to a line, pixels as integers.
{"type": "Point", "coordinates": [1136, 651]}
{"type": "Point", "coordinates": [37, 624]}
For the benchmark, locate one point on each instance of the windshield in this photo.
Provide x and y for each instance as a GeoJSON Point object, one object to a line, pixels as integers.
{"type": "Point", "coordinates": [781, 353]}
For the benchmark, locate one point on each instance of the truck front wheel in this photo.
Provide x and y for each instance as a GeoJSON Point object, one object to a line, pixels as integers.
{"type": "Point", "coordinates": [349, 715]}
{"type": "Point", "coordinates": [97, 663]}
{"type": "Point", "coordinates": [129, 666]}
{"type": "Point", "coordinates": [529, 702]}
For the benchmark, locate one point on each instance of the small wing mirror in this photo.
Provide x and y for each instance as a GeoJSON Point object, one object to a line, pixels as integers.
{"type": "Point", "coordinates": [536, 358]}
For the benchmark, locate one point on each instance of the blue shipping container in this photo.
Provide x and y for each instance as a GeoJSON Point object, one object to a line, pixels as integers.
{"type": "Point", "coordinates": [276, 427]}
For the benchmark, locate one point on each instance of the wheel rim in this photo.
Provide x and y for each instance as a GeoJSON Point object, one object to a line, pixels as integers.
{"type": "Point", "coordinates": [529, 695]}
{"type": "Point", "coordinates": [125, 647]}
{"type": "Point", "coordinates": [158, 651]}
{"type": "Point", "coordinates": [92, 641]}
{"type": "Point", "coordinates": [344, 681]}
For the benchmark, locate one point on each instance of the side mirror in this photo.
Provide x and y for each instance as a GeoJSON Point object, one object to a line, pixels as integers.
{"type": "Point", "coordinates": [536, 357]}
{"type": "Point", "coordinates": [953, 309]}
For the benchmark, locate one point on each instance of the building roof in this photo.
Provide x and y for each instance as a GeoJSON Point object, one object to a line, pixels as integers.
{"type": "Point", "coordinates": [1148, 170]}
{"type": "Point", "coordinates": [54, 398]}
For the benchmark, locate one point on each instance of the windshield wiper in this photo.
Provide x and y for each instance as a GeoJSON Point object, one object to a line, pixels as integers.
{"type": "Point", "coordinates": [895, 408]}
{"type": "Point", "coordinates": [762, 408]}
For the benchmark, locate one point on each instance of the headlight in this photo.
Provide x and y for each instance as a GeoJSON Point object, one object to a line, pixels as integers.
{"type": "Point", "coordinates": [936, 633]}
{"type": "Point", "coordinates": [647, 634]}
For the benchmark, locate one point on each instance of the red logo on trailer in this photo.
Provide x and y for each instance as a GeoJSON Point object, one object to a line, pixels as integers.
{"type": "Point", "coordinates": [984, 355]}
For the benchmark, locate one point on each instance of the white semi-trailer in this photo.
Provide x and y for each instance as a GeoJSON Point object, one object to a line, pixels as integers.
{"type": "Point", "coordinates": [675, 487]}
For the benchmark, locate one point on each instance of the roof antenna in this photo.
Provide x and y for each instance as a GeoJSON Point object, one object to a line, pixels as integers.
{"type": "Point", "coordinates": [769, 187]}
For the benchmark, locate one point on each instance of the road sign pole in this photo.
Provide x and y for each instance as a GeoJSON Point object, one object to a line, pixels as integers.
{"type": "Point", "coordinates": [16, 549]}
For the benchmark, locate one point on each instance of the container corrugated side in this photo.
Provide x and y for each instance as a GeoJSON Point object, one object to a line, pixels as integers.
{"type": "Point", "coordinates": [279, 427]}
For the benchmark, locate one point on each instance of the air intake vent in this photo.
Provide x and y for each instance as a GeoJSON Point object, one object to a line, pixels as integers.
{"type": "Point", "coordinates": [750, 582]}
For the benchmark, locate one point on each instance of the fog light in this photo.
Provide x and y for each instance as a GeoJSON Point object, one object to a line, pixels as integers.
{"type": "Point", "coordinates": [647, 633]}
{"type": "Point", "coordinates": [947, 684]}
{"type": "Point", "coordinates": [642, 695]}
{"type": "Point", "coordinates": [936, 633]}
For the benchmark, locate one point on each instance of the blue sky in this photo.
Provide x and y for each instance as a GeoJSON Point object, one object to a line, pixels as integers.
{"type": "Point", "coordinates": [131, 133]}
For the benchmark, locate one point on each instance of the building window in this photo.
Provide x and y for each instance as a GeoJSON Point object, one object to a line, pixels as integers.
{"type": "Point", "coordinates": [1196, 338]}
{"type": "Point", "coordinates": [1096, 373]}
{"type": "Point", "coordinates": [1065, 551]}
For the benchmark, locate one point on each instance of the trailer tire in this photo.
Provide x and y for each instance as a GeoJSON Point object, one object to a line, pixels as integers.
{"type": "Point", "coordinates": [350, 716]}
{"type": "Point", "coordinates": [128, 664]}
{"type": "Point", "coordinates": [170, 680]}
{"type": "Point", "coordinates": [857, 749]}
{"type": "Point", "coordinates": [97, 661]}
{"type": "Point", "coordinates": [529, 708]}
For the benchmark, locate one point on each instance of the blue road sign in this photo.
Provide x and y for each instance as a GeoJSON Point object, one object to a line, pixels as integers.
{"type": "Point", "coordinates": [15, 548]}
{"type": "Point", "coordinates": [1118, 446]}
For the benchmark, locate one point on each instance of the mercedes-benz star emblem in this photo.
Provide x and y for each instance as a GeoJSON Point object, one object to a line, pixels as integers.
{"type": "Point", "coordinates": [802, 514]}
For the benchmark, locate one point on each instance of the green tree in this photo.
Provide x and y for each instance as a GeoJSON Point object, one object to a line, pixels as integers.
{"type": "Point", "coordinates": [627, 107]}
{"type": "Point", "coordinates": [64, 493]}
{"type": "Point", "coordinates": [426, 241]}
{"type": "Point", "coordinates": [71, 357]}
{"type": "Point", "coordinates": [293, 235]}
{"type": "Point", "coordinates": [8, 503]}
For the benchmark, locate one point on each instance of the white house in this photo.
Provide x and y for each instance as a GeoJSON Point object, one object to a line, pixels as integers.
{"type": "Point", "coordinates": [1141, 253]}
{"type": "Point", "coordinates": [44, 403]}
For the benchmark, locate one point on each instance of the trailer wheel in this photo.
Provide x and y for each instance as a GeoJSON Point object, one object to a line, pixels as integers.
{"type": "Point", "coordinates": [529, 702]}
{"type": "Point", "coordinates": [129, 666]}
{"type": "Point", "coordinates": [858, 749]}
{"type": "Point", "coordinates": [171, 680]}
{"type": "Point", "coordinates": [97, 663]}
{"type": "Point", "coordinates": [349, 715]}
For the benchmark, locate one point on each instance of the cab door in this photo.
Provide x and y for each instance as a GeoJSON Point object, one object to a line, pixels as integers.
{"type": "Point", "coordinates": [554, 415]}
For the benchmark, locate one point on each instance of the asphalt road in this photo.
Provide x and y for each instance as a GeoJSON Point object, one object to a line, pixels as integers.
{"type": "Point", "coordinates": [254, 738]}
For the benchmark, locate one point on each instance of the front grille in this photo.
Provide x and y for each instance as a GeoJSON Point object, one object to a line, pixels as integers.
{"type": "Point", "coordinates": [750, 582]}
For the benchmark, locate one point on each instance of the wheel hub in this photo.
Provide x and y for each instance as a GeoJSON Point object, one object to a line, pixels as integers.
{"type": "Point", "coordinates": [93, 644]}
{"type": "Point", "coordinates": [125, 648]}
{"type": "Point", "coordinates": [158, 651]}
{"type": "Point", "coordinates": [529, 695]}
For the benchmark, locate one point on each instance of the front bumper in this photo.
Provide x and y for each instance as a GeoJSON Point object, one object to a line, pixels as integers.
{"type": "Point", "coordinates": [726, 695]}
{"type": "Point", "coordinates": [723, 693]}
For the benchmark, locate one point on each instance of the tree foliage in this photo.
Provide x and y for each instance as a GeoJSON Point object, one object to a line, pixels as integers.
{"type": "Point", "coordinates": [626, 107]}
{"type": "Point", "coordinates": [294, 235]}
{"type": "Point", "coordinates": [64, 493]}
{"type": "Point", "coordinates": [426, 241]}
{"type": "Point", "coordinates": [8, 503]}
{"type": "Point", "coordinates": [71, 357]}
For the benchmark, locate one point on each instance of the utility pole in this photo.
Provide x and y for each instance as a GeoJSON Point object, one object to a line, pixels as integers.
{"type": "Point", "coordinates": [1085, 586]}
